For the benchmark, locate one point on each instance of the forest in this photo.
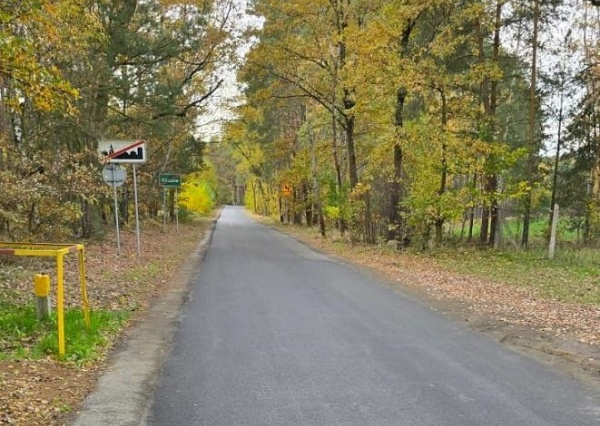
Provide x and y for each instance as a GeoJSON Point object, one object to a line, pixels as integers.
{"type": "Point", "coordinates": [75, 72]}
{"type": "Point", "coordinates": [423, 124]}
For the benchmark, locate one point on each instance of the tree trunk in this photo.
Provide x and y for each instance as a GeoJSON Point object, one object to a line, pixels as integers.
{"type": "Point", "coordinates": [171, 204]}
{"type": "Point", "coordinates": [439, 222]}
{"type": "Point", "coordinates": [266, 211]}
{"type": "Point", "coordinates": [254, 203]}
{"type": "Point", "coordinates": [494, 214]}
{"type": "Point", "coordinates": [531, 130]}
{"type": "Point", "coordinates": [485, 225]}
{"type": "Point", "coordinates": [348, 102]}
{"type": "Point", "coordinates": [308, 206]}
{"type": "Point", "coordinates": [369, 235]}
{"type": "Point", "coordinates": [557, 154]}
{"type": "Point", "coordinates": [394, 218]}
{"type": "Point", "coordinates": [338, 171]}
{"type": "Point", "coordinates": [352, 170]}
{"type": "Point", "coordinates": [118, 19]}
{"type": "Point", "coordinates": [316, 187]}
{"type": "Point", "coordinates": [395, 230]}
{"type": "Point", "coordinates": [86, 220]}
{"type": "Point", "coordinates": [489, 100]}
{"type": "Point", "coordinates": [472, 213]}
{"type": "Point", "coordinates": [124, 205]}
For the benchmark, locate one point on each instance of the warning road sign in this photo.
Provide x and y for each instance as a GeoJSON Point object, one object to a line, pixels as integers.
{"type": "Point", "coordinates": [286, 190]}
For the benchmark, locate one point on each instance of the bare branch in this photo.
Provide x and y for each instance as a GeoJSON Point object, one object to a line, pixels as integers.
{"type": "Point", "coordinates": [182, 112]}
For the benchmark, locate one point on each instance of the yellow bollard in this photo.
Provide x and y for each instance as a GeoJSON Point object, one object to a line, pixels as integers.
{"type": "Point", "coordinates": [60, 311]}
{"type": "Point", "coordinates": [85, 305]}
{"type": "Point", "coordinates": [41, 288]}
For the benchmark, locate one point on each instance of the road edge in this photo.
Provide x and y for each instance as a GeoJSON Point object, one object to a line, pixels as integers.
{"type": "Point", "coordinates": [123, 392]}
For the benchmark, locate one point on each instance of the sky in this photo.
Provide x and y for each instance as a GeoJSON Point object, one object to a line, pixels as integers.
{"type": "Point", "coordinates": [220, 106]}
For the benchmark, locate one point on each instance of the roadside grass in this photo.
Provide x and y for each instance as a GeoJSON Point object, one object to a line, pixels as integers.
{"type": "Point", "coordinates": [120, 288]}
{"type": "Point", "coordinates": [22, 336]}
{"type": "Point", "coordinates": [572, 276]}
{"type": "Point", "coordinates": [512, 229]}
{"type": "Point", "coordinates": [119, 294]}
{"type": "Point", "coordinates": [141, 274]}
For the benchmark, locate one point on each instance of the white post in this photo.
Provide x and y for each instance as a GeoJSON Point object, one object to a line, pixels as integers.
{"type": "Point", "coordinates": [553, 232]}
{"type": "Point", "coordinates": [137, 215]}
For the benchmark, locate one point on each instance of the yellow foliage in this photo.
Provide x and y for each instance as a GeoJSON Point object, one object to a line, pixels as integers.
{"type": "Point", "coordinates": [56, 31]}
{"type": "Point", "coordinates": [197, 193]}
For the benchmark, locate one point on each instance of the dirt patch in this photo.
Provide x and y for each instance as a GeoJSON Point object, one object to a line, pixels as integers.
{"type": "Point", "coordinates": [48, 391]}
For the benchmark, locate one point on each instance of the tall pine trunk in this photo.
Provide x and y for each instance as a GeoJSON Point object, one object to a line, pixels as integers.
{"type": "Point", "coordinates": [489, 100]}
{"type": "Point", "coordinates": [395, 228]}
{"type": "Point", "coordinates": [439, 222]}
{"type": "Point", "coordinates": [531, 128]}
{"type": "Point", "coordinates": [394, 218]}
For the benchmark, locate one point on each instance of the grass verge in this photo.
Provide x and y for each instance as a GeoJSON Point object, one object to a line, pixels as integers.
{"type": "Point", "coordinates": [572, 276]}
{"type": "Point", "coordinates": [23, 336]}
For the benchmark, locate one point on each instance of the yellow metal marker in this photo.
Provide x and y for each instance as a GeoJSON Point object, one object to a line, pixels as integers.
{"type": "Point", "coordinates": [60, 295]}
{"type": "Point", "coordinates": [41, 285]}
{"type": "Point", "coordinates": [41, 288]}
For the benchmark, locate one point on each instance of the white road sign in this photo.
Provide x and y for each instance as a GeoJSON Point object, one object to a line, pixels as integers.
{"type": "Point", "coordinates": [122, 151]}
{"type": "Point", "coordinates": [114, 175]}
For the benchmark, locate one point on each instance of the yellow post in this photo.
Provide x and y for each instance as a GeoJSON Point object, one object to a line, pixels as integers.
{"type": "Point", "coordinates": [60, 303]}
{"type": "Point", "coordinates": [41, 285]}
{"type": "Point", "coordinates": [85, 306]}
{"type": "Point", "coordinates": [41, 288]}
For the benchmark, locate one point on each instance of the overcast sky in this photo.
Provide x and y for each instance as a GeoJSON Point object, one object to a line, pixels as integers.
{"type": "Point", "coordinates": [220, 105]}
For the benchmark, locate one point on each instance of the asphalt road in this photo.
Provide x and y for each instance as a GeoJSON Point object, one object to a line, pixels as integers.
{"type": "Point", "coordinates": [275, 333]}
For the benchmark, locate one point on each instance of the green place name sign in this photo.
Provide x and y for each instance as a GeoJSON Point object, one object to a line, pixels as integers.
{"type": "Point", "coordinates": [169, 180]}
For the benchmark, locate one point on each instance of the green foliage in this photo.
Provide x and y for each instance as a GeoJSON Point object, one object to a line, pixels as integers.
{"type": "Point", "coordinates": [332, 212]}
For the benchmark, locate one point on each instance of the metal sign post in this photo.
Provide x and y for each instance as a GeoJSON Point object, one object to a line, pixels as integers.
{"type": "Point", "coordinates": [176, 214]}
{"type": "Point", "coordinates": [137, 210]}
{"type": "Point", "coordinates": [114, 175]}
{"type": "Point", "coordinates": [134, 152]}
{"type": "Point", "coordinates": [170, 180]}
{"type": "Point", "coordinates": [164, 209]}
{"type": "Point", "coordinates": [117, 219]}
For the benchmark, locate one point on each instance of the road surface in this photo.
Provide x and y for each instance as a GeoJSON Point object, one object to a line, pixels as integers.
{"type": "Point", "coordinates": [275, 333]}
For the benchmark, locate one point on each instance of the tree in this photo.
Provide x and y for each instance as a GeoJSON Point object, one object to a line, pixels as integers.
{"type": "Point", "coordinates": [74, 72]}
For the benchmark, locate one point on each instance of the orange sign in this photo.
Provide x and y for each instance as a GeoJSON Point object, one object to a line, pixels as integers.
{"type": "Point", "coordinates": [286, 190]}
